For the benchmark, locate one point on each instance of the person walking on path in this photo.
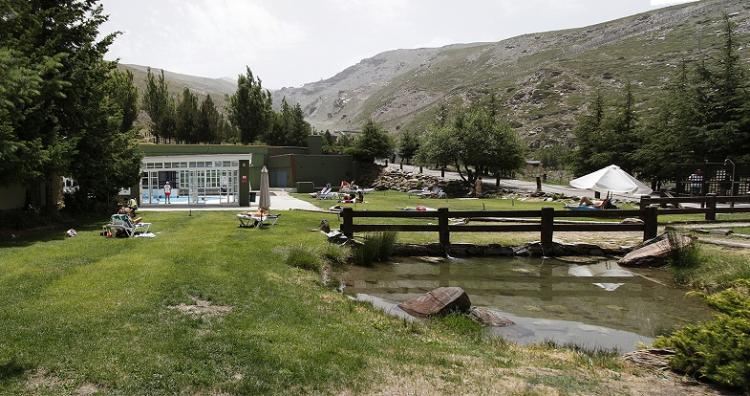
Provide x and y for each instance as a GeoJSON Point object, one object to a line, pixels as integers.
{"type": "Point", "coordinates": [167, 192]}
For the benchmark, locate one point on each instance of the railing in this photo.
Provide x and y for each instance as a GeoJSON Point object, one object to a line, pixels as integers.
{"type": "Point", "coordinates": [546, 226]}
{"type": "Point", "coordinates": [708, 205]}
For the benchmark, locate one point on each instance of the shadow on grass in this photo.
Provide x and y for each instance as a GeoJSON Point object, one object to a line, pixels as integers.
{"type": "Point", "coordinates": [11, 369]}
{"type": "Point", "coordinates": [49, 232]}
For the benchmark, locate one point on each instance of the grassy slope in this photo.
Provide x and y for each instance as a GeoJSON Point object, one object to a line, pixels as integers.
{"type": "Point", "coordinates": [95, 310]}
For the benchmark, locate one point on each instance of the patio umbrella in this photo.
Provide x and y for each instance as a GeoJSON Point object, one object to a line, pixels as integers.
{"type": "Point", "coordinates": [611, 179]}
{"type": "Point", "coordinates": [264, 201]}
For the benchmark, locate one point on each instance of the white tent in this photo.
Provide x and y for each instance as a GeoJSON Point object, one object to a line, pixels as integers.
{"type": "Point", "coordinates": [613, 180]}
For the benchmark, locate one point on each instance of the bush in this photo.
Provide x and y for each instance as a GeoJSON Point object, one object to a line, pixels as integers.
{"type": "Point", "coordinates": [717, 350]}
{"type": "Point", "coordinates": [377, 247]}
{"type": "Point", "coordinates": [456, 189]}
{"type": "Point", "coordinates": [683, 255]}
{"type": "Point", "coordinates": [304, 258]}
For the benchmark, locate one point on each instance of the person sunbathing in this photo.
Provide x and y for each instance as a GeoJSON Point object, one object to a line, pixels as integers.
{"type": "Point", "coordinates": [603, 204]}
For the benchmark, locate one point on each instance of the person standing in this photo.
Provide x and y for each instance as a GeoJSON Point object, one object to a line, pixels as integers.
{"type": "Point", "coordinates": [167, 192]}
{"type": "Point", "coordinates": [478, 187]}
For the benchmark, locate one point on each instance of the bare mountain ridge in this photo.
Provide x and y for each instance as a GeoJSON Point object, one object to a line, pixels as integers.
{"type": "Point", "coordinates": [218, 88]}
{"type": "Point", "coordinates": [543, 79]}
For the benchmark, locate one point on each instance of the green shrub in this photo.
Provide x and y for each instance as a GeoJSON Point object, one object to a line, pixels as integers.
{"type": "Point", "coordinates": [377, 247]}
{"type": "Point", "coordinates": [336, 255]}
{"type": "Point", "coordinates": [717, 350]}
{"type": "Point", "coordinates": [304, 258]}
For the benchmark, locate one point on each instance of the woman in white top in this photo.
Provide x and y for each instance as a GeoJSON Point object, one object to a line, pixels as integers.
{"type": "Point", "coordinates": [167, 191]}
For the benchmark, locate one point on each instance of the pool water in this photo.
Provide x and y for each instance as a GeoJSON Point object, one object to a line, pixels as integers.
{"type": "Point", "coordinates": [598, 306]}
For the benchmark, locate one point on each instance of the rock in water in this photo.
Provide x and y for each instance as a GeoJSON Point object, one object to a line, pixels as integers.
{"type": "Point", "coordinates": [653, 253]}
{"type": "Point", "coordinates": [438, 302]}
{"type": "Point", "coordinates": [488, 317]}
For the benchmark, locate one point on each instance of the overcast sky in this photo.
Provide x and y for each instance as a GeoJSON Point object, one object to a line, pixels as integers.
{"type": "Point", "coordinates": [291, 42]}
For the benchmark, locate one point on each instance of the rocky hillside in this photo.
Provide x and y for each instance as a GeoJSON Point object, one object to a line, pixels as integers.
{"type": "Point", "coordinates": [201, 86]}
{"type": "Point", "coordinates": [543, 79]}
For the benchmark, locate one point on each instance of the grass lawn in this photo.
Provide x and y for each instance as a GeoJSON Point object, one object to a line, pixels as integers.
{"type": "Point", "coordinates": [715, 268]}
{"type": "Point", "coordinates": [90, 313]}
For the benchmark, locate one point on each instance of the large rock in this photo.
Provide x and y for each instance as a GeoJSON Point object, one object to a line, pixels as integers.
{"type": "Point", "coordinates": [653, 253]}
{"type": "Point", "coordinates": [438, 302]}
{"type": "Point", "coordinates": [489, 317]}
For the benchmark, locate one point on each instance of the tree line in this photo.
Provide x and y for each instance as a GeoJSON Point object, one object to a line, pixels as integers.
{"type": "Point", "coordinates": [474, 140]}
{"type": "Point", "coordinates": [250, 117]}
{"type": "Point", "coordinates": [64, 110]}
{"type": "Point", "coordinates": [703, 115]}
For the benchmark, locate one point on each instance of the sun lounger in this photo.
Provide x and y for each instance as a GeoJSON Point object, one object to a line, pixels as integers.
{"type": "Point", "coordinates": [253, 220]}
{"type": "Point", "coordinates": [321, 193]}
{"type": "Point", "coordinates": [122, 222]}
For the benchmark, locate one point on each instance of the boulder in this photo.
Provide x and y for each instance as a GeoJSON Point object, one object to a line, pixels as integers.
{"type": "Point", "coordinates": [653, 253]}
{"type": "Point", "coordinates": [438, 302]}
{"type": "Point", "coordinates": [488, 317]}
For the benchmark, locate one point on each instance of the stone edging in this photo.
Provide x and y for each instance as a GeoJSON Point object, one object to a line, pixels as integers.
{"type": "Point", "coordinates": [533, 249]}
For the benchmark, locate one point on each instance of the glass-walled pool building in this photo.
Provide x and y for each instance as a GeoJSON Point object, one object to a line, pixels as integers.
{"type": "Point", "coordinates": [227, 175]}
{"type": "Point", "coordinates": [193, 179]}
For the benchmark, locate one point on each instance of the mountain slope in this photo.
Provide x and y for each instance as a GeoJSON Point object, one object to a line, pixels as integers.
{"type": "Point", "coordinates": [542, 79]}
{"type": "Point", "coordinates": [201, 86]}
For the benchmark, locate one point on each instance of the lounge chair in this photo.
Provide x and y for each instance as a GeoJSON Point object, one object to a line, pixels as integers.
{"type": "Point", "coordinates": [257, 220]}
{"type": "Point", "coordinates": [436, 192]}
{"type": "Point", "coordinates": [330, 194]}
{"type": "Point", "coordinates": [122, 222]}
{"type": "Point", "coordinates": [323, 192]}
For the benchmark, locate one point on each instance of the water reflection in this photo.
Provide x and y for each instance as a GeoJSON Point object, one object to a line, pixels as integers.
{"type": "Point", "coordinates": [596, 305]}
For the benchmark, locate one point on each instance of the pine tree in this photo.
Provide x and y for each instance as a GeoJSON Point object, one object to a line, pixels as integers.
{"type": "Point", "coordinates": [408, 146]}
{"type": "Point", "coordinates": [250, 108]}
{"type": "Point", "coordinates": [160, 106]}
{"type": "Point", "coordinates": [589, 138]}
{"type": "Point", "coordinates": [372, 143]}
{"type": "Point", "coordinates": [209, 122]}
{"type": "Point", "coordinates": [125, 95]}
{"type": "Point", "coordinates": [70, 121]}
{"type": "Point", "coordinates": [622, 134]}
{"type": "Point", "coordinates": [187, 118]}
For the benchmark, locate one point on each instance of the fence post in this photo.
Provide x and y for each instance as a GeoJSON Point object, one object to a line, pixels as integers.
{"type": "Point", "coordinates": [645, 202]}
{"type": "Point", "coordinates": [445, 235]}
{"type": "Point", "coordinates": [548, 221]}
{"type": "Point", "coordinates": [650, 217]}
{"type": "Point", "coordinates": [346, 226]}
{"type": "Point", "coordinates": [710, 207]}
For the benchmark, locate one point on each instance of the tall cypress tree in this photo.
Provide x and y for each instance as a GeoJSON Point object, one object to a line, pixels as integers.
{"type": "Point", "coordinates": [209, 122]}
{"type": "Point", "coordinates": [160, 106]}
{"type": "Point", "coordinates": [250, 108]}
{"type": "Point", "coordinates": [187, 118]}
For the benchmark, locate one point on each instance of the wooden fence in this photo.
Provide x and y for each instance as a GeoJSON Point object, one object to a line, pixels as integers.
{"type": "Point", "coordinates": [708, 205]}
{"type": "Point", "coordinates": [546, 226]}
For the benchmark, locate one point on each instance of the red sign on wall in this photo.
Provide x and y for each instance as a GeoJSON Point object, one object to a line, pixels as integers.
{"type": "Point", "coordinates": [244, 179]}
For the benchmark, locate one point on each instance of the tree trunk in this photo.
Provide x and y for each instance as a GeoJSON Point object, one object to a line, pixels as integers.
{"type": "Point", "coordinates": [52, 193]}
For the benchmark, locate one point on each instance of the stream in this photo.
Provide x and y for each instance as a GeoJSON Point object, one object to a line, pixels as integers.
{"type": "Point", "coordinates": [597, 306]}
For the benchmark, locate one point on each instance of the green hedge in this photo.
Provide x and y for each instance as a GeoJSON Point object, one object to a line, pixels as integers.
{"type": "Point", "coordinates": [717, 350]}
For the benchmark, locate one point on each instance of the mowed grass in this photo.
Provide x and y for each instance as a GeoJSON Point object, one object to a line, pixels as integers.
{"type": "Point", "coordinates": [91, 311]}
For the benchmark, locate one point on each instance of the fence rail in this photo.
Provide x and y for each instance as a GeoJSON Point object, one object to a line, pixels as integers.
{"type": "Point", "coordinates": [546, 226]}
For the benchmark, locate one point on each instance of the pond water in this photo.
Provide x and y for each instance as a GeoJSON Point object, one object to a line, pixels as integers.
{"type": "Point", "coordinates": [598, 305]}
